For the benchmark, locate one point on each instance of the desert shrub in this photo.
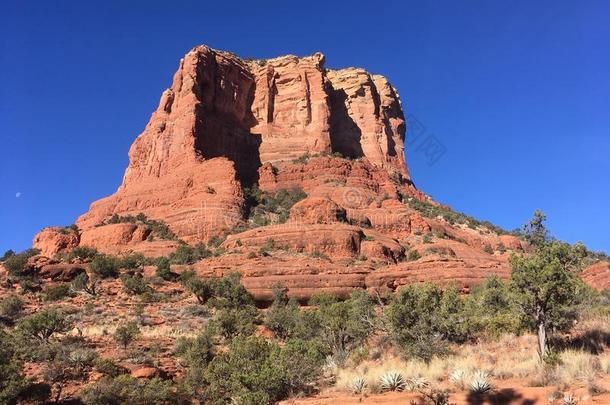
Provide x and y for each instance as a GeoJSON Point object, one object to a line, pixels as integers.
{"type": "Point", "coordinates": [488, 249]}
{"type": "Point", "coordinates": [185, 254]}
{"type": "Point", "coordinates": [124, 389]}
{"type": "Point", "coordinates": [202, 288]}
{"type": "Point", "coordinates": [413, 255]}
{"type": "Point", "coordinates": [427, 238]}
{"type": "Point", "coordinates": [43, 324]}
{"type": "Point", "coordinates": [57, 292]}
{"type": "Point", "coordinates": [431, 210]}
{"type": "Point", "coordinates": [230, 293]}
{"type": "Point", "coordinates": [197, 351]}
{"type": "Point", "coordinates": [301, 362]}
{"type": "Point", "coordinates": [216, 240]}
{"type": "Point", "coordinates": [267, 207]}
{"type": "Point", "coordinates": [421, 319]}
{"type": "Point", "coordinates": [125, 334]}
{"type": "Point", "coordinates": [83, 282]}
{"type": "Point", "coordinates": [491, 309]}
{"type": "Point", "coordinates": [104, 266]}
{"type": "Point", "coordinates": [163, 269]}
{"type": "Point", "coordinates": [12, 381]}
{"type": "Point", "coordinates": [230, 322]}
{"type": "Point", "coordinates": [82, 253]}
{"type": "Point", "coordinates": [7, 254]}
{"type": "Point", "coordinates": [246, 369]}
{"type": "Point", "coordinates": [255, 369]}
{"type": "Point", "coordinates": [64, 363]}
{"type": "Point", "coordinates": [344, 324]}
{"type": "Point", "coordinates": [135, 285]}
{"type": "Point", "coordinates": [134, 261]}
{"type": "Point", "coordinates": [158, 228]}
{"type": "Point", "coordinates": [15, 264]}
{"type": "Point", "coordinates": [108, 367]}
{"type": "Point", "coordinates": [11, 306]}
{"type": "Point", "coordinates": [284, 315]}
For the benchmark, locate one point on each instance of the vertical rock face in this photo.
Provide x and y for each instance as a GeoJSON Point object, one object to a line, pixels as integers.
{"type": "Point", "coordinates": [223, 118]}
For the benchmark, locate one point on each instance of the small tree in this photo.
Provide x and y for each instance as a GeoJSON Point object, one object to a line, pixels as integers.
{"type": "Point", "coordinates": [202, 289]}
{"type": "Point", "coordinates": [44, 324]}
{"type": "Point", "coordinates": [104, 266]}
{"type": "Point", "coordinates": [83, 282]}
{"type": "Point", "coordinates": [125, 334]}
{"type": "Point", "coordinates": [11, 306]}
{"type": "Point", "coordinates": [12, 381]}
{"type": "Point", "coordinates": [545, 283]}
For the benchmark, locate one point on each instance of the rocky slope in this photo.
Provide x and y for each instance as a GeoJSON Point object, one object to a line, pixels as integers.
{"type": "Point", "coordinates": [228, 125]}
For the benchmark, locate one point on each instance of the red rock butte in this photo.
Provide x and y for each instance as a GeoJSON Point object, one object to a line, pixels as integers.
{"type": "Point", "coordinates": [226, 125]}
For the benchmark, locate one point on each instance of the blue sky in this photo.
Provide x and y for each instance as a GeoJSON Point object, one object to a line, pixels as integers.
{"type": "Point", "coordinates": [516, 92]}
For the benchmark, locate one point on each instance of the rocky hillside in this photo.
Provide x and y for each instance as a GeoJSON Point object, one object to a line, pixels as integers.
{"type": "Point", "coordinates": [293, 173]}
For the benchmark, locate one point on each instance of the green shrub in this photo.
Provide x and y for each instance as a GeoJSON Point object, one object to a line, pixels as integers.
{"type": "Point", "coordinates": [12, 381]}
{"type": "Point", "coordinates": [231, 322]}
{"type": "Point", "coordinates": [421, 319]}
{"type": "Point", "coordinates": [134, 261]}
{"type": "Point", "coordinates": [301, 362]}
{"type": "Point", "coordinates": [413, 255]}
{"type": "Point", "coordinates": [108, 367]}
{"type": "Point", "coordinates": [124, 389]}
{"type": "Point", "coordinates": [267, 208]}
{"type": "Point", "coordinates": [164, 269]}
{"type": "Point", "coordinates": [491, 309]}
{"type": "Point", "coordinates": [11, 306]}
{"type": "Point", "coordinates": [43, 324]}
{"type": "Point", "coordinates": [196, 352]}
{"type": "Point", "coordinates": [283, 316]}
{"type": "Point", "coordinates": [230, 293]}
{"type": "Point", "coordinates": [344, 325]}
{"type": "Point", "coordinates": [15, 265]}
{"type": "Point", "coordinates": [82, 282]}
{"type": "Point", "coordinates": [82, 253]}
{"type": "Point", "coordinates": [104, 266]}
{"type": "Point", "coordinates": [158, 228]}
{"type": "Point", "coordinates": [125, 334]}
{"type": "Point", "coordinates": [427, 238]}
{"type": "Point", "coordinates": [488, 249]}
{"type": "Point", "coordinates": [247, 372]}
{"type": "Point", "coordinates": [185, 254]}
{"type": "Point", "coordinates": [56, 293]}
{"type": "Point", "coordinates": [202, 289]}
{"type": "Point", "coordinates": [7, 254]}
{"type": "Point", "coordinates": [135, 285]}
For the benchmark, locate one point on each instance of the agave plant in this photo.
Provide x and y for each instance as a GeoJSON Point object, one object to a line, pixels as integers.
{"type": "Point", "coordinates": [568, 399]}
{"type": "Point", "coordinates": [480, 383]}
{"type": "Point", "coordinates": [417, 383]}
{"type": "Point", "coordinates": [458, 377]}
{"type": "Point", "coordinates": [357, 385]}
{"type": "Point", "coordinates": [392, 381]}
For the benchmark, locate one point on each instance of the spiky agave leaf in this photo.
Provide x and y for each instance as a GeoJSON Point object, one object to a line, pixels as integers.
{"type": "Point", "coordinates": [392, 381]}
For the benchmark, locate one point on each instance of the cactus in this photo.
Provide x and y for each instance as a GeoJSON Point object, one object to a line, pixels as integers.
{"type": "Point", "coordinates": [358, 385]}
{"type": "Point", "coordinates": [392, 381]}
{"type": "Point", "coordinates": [480, 383]}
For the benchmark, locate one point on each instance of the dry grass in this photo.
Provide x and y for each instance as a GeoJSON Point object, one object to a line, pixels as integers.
{"type": "Point", "coordinates": [511, 357]}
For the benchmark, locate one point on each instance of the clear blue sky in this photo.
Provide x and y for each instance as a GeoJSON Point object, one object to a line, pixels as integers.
{"type": "Point", "coordinates": [518, 92]}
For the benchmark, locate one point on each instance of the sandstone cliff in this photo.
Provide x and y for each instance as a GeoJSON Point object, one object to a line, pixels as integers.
{"type": "Point", "coordinates": [227, 125]}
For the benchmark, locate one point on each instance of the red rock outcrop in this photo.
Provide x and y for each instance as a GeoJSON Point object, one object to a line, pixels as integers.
{"type": "Point", "coordinates": [223, 118]}
{"type": "Point", "coordinates": [597, 275]}
{"type": "Point", "coordinates": [53, 240]}
{"type": "Point", "coordinates": [226, 124]}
